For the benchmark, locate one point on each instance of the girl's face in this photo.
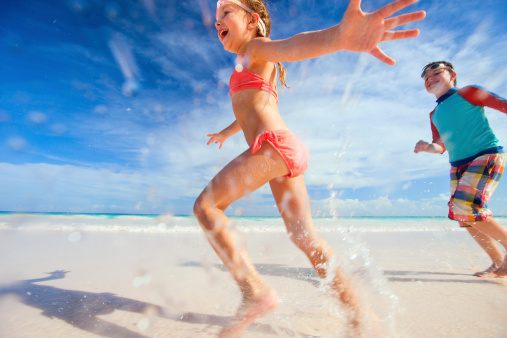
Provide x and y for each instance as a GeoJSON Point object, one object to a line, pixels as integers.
{"type": "Point", "coordinates": [231, 24]}
{"type": "Point", "coordinates": [439, 81]}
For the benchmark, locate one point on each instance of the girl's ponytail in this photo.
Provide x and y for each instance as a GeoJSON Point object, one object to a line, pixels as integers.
{"type": "Point", "coordinates": [282, 73]}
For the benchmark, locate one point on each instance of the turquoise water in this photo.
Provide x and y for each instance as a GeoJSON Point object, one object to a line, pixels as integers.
{"type": "Point", "coordinates": [172, 224]}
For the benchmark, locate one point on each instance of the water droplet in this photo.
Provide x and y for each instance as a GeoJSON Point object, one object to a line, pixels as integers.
{"type": "Point", "coordinates": [130, 88]}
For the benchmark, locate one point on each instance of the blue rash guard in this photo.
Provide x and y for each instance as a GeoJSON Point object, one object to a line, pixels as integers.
{"type": "Point", "coordinates": [459, 123]}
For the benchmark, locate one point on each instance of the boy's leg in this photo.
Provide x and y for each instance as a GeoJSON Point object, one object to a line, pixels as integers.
{"type": "Point", "coordinates": [502, 270]}
{"type": "Point", "coordinates": [493, 229]}
{"type": "Point", "coordinates": [294, 205]}
{"type": "Point", "coordinates": [487, 244]}
{"type": "Point", "coordinates": [246, 173]}
{"type": "Point", "coordinates": [472, 186]}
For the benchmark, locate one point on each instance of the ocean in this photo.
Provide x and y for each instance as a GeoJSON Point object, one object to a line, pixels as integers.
{"type": "Point", "coordinates": [166, 223]}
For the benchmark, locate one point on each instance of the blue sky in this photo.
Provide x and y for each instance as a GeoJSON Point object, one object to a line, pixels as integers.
{"type": "Point", "coordinates": [105, 106]}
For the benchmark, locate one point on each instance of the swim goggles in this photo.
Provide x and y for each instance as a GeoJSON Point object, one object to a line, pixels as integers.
{"type": "Point", "coordinates": [437, 65]}
{"type": "Point", "coordinates": [260, 24]}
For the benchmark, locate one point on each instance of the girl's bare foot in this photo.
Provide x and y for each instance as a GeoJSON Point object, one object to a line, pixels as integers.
{"type": "Point", "coordinates": [488, 273]}
{"type": "Point", "coordinates": [249, 311]}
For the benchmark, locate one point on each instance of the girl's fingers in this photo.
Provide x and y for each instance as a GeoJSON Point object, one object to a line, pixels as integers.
{"type": "Point", "coordinates": [394, 7]}
{"type": "Point", "coordinates": [403, 19]}
{"type": "Point", "coordinates": [354, 4]}
{"type": "Point", "coordinates": [398, 35]}
{"type": "Point", "coordinates": [379, 54]}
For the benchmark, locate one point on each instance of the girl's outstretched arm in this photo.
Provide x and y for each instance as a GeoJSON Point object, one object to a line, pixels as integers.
{"type": "Point", "coordinates": [357, 32]}
{"type": "Point", "coordinates": [220, 137]}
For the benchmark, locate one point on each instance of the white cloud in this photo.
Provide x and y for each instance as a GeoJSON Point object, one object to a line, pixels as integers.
{"type": "Point", "coordinates": [48, 187]}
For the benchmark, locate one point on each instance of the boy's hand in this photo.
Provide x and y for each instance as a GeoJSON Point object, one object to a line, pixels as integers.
{"type": "Point", "coordinates": [362, 32]}
{"type": "Point", "coordinates": [216, 138]}
{"type": "Point", "coordinates": [421, 146]}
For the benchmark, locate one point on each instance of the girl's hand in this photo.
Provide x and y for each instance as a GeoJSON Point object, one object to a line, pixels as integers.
{"type": "Point", "coordinates": [216, 138]}
{"type": "Point", "coordinates": [362, 32]}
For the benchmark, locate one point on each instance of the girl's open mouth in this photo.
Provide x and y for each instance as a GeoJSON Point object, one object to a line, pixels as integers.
{"type": "Point", "coordinates": [222, 33]}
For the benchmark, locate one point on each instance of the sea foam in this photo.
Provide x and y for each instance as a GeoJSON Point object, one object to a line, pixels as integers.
{"type": "Point", "coordinates": [187, 224]}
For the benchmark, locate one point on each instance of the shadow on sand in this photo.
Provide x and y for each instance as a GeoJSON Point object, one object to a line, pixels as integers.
{"type": "Point", "coordinates": [309, 275]}
{"type": "Point", "coordinates": [428, 277]}
{"type": "Point", "coordinates": [278, 270]}
{"type": "Point", "coordinates": [82, 309]}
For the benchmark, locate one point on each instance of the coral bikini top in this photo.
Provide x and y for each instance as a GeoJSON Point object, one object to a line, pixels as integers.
{"type": "Point", "coordinates": [249, 80]}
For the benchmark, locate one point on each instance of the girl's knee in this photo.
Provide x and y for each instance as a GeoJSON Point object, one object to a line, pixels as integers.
{"type": "Point", "coordinates": [208, 215]}
{"type": "Point", "coordinates": [198, 207]}
{"type": "Point", "coordinates": [201, 210]}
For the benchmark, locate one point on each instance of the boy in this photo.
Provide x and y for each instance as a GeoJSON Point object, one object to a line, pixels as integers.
{"type": "Point", "coordinates": [459, 125]}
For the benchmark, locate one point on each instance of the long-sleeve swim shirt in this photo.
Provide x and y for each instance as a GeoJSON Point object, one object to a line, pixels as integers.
{"type": "Point", "coordinates": [459, 123]}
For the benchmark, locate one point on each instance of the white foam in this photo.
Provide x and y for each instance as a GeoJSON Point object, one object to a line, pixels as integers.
{"type": "Point", "coordinates": [79, 223]}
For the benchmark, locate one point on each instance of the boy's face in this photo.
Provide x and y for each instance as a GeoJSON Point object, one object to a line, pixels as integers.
{"type": "Point", "coordinates": [439, 81]}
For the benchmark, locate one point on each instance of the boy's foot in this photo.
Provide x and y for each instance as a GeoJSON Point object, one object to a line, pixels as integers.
{"type": "Point", "coordinates": [249, 311]}
{"type": "Point", "coordinates": [502, 270]}
{"type": "Point", "coordinates": [488, 273]}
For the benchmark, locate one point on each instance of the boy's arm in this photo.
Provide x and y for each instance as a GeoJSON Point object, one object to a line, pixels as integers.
{"type": "Point", "coordinates": [433, 148]}
{"type": "Point", "coordinates": [220, 137]}
{"type": "Point", "coordinates": [481, 97]}
{"type": "Point", "coordinates": [437, 145]}
{"type": "Point", "coordinates": [357, 32]}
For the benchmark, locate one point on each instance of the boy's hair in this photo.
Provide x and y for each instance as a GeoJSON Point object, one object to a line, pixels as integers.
{"type": "Point", "coordinates": [259, 7]}
{"type": "Point", "coordinates": [435, 64]}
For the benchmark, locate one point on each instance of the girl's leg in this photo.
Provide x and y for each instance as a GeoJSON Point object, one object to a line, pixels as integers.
{"type": "Point", "coordinates": [494, 230]}
{"type": "Point", "coordinates": [244, 174]}
{"type": "Point", "coordinates": [487, 244]}
{"type": "Point", "coordinates": [294, 205]}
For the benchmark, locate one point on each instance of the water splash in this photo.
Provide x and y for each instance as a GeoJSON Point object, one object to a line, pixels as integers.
{"type": "Point", "coordinates": [124, 57]}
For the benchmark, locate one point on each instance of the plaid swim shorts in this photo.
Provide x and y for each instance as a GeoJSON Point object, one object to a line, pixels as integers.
{"type": "Point", "coordinates": [472, 185]}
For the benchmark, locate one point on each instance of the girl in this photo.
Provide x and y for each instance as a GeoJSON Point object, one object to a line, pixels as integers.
{"type": "Point", "coordinates": [275, 154]}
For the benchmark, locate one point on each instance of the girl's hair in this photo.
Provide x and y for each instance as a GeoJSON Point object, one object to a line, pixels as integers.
{"type": "Point", "coordinates": [259, 7]}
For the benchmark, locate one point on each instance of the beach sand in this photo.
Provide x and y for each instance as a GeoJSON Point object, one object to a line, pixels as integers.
{"type": "Point", "coordinates": [68, 284]}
